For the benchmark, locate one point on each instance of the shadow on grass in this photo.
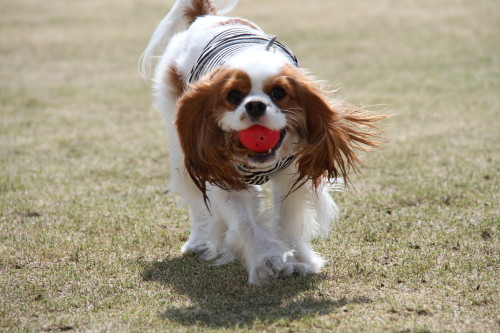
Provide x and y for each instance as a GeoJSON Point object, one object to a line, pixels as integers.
{"type": "Point", "coordinates": [221, 296]}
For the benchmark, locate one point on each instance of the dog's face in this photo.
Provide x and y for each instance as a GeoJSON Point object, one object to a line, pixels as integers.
{"type": "Point", "coordinates": [256, 90]}
{"type": "Point", "coordinates": [259, 87]}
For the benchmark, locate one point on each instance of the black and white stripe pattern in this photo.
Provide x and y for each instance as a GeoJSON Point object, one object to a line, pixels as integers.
{"type": "Point", "coordinates": [260, 176]}
{"type": "Point", "coordinates": [227, 44]}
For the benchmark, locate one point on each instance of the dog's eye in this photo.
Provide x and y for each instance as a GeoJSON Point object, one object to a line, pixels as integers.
{"type": "Point", "coordinates": [234, 97]}
{"type": "Point", "coordinates": [277, 93]}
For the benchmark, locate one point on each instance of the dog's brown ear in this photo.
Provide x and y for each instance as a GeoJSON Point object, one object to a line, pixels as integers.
{"type": "Point", "coordinates": [207, 149]}
{"type": "Point", "coordinates": [332, 133]}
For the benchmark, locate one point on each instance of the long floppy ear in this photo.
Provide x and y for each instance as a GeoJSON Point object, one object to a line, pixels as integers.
{"type": "Point", "coordinates": [332, 133]}
{"type": "Point", "coordinates": [207, 149]}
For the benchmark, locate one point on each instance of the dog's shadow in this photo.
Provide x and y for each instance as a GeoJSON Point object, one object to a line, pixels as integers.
{"type": "Point", "coordinates": [219, 296]}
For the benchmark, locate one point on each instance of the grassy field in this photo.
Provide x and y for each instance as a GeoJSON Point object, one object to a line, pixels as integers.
{"type": "Point", "coordinates": [89, 240]}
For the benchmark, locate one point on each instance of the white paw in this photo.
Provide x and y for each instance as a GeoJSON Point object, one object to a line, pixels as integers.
{"type": "Point", "coordinates": [297, 268]}
{"type": "Point", "coordinates": [279, 265]}
{"type": "Point", "coordinates": [193, 248]}
{"type": "Point", "coordinates": [315, 263]}
{"type": "Point", "coordinates": [304, 254]}
{"type": "Point", "coordinates": [266, 268]}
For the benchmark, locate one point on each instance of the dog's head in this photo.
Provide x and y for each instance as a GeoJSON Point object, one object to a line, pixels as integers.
{"type": "Point", "coordinates": [262, 88]}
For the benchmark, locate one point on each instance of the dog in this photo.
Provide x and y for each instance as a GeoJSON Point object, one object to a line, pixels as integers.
{"type": "Point", "coordinates": [215, 77]}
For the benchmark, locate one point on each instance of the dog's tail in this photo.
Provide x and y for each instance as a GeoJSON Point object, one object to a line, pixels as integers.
{"type": "Point", "coordinates": [181, 15]}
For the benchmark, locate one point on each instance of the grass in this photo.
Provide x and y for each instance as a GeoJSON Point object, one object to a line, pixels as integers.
{"type": "Point", "coordinates": [90, 242]}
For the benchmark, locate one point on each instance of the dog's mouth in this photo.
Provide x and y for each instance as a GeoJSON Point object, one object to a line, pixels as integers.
{"type": "Point", "coordinates": [268, 156]}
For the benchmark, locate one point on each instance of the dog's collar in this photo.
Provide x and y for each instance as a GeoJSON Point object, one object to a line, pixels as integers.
{"type": "Point", "coordinates": [229, 42]}
{"type": "Point", "coordinates": [260, 176]}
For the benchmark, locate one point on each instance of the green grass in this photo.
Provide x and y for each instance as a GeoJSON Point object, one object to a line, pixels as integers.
{"type": "Point", "coordinates": [89, 241]}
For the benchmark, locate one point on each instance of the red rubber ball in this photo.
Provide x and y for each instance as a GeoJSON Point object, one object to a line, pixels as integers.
{"type": "Point", "coordinates": [259, 138]}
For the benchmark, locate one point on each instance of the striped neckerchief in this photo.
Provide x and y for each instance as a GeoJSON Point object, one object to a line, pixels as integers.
{"type": "Point", "coordinates": [260, 176]}
{"type": "Point", "coordinates": [230, 42]}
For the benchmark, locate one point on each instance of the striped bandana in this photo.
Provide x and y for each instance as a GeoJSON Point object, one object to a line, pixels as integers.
{"type": "Point", "coordinates": [217, 52]}
{"type": "Point", "coordinates": [230, 42]}
{"type": "Point", "coordinates": [260, 176]}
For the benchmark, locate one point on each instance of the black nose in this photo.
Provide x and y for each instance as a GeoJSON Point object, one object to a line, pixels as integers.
{"type": "Point", "coordinates": [255, 109]}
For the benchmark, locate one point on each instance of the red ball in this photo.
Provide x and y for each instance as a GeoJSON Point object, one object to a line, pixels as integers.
{"type": "Point", "coordinates": [259, 138]}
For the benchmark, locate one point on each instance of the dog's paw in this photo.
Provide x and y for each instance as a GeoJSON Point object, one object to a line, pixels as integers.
{"type": "Point", "coordinates": [281, 265]}
{"type": "Point", "coordinates": [296, 268]}
{"type": "Point", "coordinates": [190, 248]}
{"type": "Point", "coordinates": [311, 260]}
{"type": "Point", "coordinates": [316, 263]}
{"type": "Point", "coordinates": [266, 268]}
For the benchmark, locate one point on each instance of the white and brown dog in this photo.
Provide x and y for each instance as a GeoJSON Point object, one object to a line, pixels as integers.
{"type": "Point", "coordinates": [216, 76]}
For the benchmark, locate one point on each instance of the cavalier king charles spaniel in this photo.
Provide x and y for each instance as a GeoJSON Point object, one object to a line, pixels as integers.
{"type": "Point", "coordinates": [241, 112]}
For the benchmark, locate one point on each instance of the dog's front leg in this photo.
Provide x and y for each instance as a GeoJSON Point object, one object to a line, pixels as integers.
{"type": "Point", "coordinates": [250, 239]}
{"type": "Point", "coordinates": [300, 216]}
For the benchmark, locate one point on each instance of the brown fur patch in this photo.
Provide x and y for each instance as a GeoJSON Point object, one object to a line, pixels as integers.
{"type": "Point", "coordinates": [238, 21]}
{"type": "Point", "coordinates": [209, 151]}
{"type": "Point", "coordinates": [199, 8]}
{"type": "Point", "coordinates": [175, 81]}
{"type": "Point", "coordinates": [329, 132]}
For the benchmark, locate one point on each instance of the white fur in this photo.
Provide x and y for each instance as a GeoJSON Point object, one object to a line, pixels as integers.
{"type": "Point", "coordinates": [269, 244]}
{"type": "Point", "coordinates": [259, 64]}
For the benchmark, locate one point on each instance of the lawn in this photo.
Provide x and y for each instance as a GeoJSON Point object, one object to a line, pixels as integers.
{"type": "Point", "coordinates": [90, 238]}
